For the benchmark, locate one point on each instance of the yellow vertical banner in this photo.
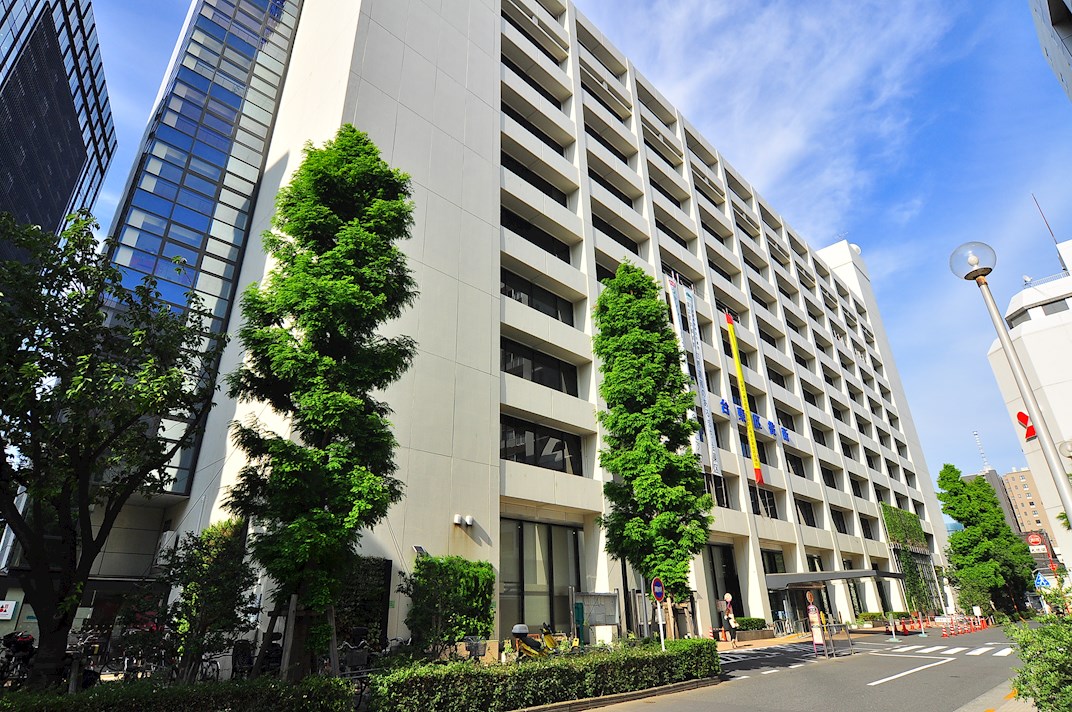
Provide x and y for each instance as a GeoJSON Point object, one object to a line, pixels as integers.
{"type": "Point", "coordinates": [756, 466]}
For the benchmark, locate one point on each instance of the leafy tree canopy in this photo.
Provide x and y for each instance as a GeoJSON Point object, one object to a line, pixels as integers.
{"type": "Point", "coordinates": [314, 354]}
{"type": "Point", "coordinates": [659, 510]}
{"type": "Point", "coordinates": [89, 370]}
{"type": "Point", "coordinates": [989, 563]}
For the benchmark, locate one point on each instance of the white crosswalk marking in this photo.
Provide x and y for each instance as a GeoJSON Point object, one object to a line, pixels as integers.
{"type": "Point", "coordinates": [796, 666]}
{"type": "Point", "coordinates": [932, 649]}
{"type": "Point", "coordinates": [1003, 653]}
{"type": "Point", "coordinates": [768, 672]}
{"type": "Point", "coordinates": [953, 651]}
{"type": "Point", "coordinates": [907, 648]}
{"type": "Point", "coordinates": [979, 651]}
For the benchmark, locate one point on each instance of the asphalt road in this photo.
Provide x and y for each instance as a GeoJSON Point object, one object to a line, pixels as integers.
{"type": "Point", "coordinates": [929, 674]}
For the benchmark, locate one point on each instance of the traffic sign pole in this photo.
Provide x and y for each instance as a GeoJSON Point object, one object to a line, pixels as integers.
{"type": "Point", "coordinates": [659, 593]}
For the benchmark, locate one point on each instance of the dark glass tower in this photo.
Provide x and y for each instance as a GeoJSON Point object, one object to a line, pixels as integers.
{"type": "Point", "coordinates": [192, 189]}
{"type": "Point", "coordinates": [56, 133]}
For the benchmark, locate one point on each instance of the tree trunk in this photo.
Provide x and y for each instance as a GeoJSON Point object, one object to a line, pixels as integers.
{"type": "Point", "coordinates": [51, 649]}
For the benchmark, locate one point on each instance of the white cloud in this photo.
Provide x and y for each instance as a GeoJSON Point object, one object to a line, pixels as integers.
{"type": "Point", "coordinates": [806, 104]}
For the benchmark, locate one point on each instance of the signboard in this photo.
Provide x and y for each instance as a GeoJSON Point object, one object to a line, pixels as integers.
{"type": "Point", "coordinates": [1038, 549]}
{"type": "Point", "coordinates": [701, 372]}
{"type": "Point", "coordinates": [1029, 429]}
{"type": "Point", "coordinates": [657, 589]}
{"type": "Point", "coordinates": [1053, 566]}
{"type": "Point", "coordinates": [7, 610]}
{"type": "Point", "coordinates": [814, 620]}
{"type": "Point", "coordinates": [1041, 581]}
{"type": "Point", "coordinates": [1034, 539]}
{"type": "Point", "coordinates": [749, 427]}
{"type": "Point", "coordinates": [701, 380]}
{"type": "Point", "coordinates": [977, 611]}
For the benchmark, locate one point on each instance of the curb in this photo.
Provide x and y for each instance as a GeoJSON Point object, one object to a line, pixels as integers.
{"type": "Point", "coordinates": [590, 703]}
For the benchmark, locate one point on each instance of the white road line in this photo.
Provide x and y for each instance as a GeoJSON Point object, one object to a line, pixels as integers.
{"type": "Point", "coordinates": [796, 666]}
{"type": "Point", "coordinates": [1003, 652]}
{"type": "Point", "coordinates": [907, 648]}
{"type": "Point", "coordinates": [741, 677]}
{"type": "Point", "coordinates": [768, 672]}
{"type": "Point", "coordinates": [979, 651]}
{"type": "Point", "coordinates": [932, 649]}
{"type": "Point", "coordinates": [909, 672]}
{"type": "Point", "coordinates": [953, 651]}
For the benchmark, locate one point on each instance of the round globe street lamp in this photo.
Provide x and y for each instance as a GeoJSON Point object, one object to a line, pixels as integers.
{"type": "Point", "coordinates": [974, 261]}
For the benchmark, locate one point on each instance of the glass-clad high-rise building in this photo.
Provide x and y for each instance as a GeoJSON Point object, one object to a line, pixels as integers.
{"type": "Point", "coordinates": [56, 132]}
{"type": "Point", "coordinates": [190, 192]}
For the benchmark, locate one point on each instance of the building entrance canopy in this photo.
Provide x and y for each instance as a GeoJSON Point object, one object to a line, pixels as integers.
{"type": "Point", "coordinates": [816, 579]}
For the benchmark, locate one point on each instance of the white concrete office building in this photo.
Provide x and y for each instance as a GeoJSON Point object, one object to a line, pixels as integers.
{"type": "Point", "coordinates": [541, 159]}
{"type": "Point", "coordinates": [1040, 325]}
{"type": "Point", "coordinates": [1053, 23]}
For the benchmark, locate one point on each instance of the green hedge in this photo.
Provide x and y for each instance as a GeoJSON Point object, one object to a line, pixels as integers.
{"type": "Point", "coordinates": [315, 693]}
{"type": "Point", "coordinates": [746, 623]}
{"type": "Point", "coordinates": [870, 616]}
{"type": "Point", "coordinates": [462, 686]}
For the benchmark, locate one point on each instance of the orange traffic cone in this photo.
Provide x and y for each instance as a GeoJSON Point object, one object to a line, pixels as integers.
{"type": "Point", "coordinates": [945, 633]}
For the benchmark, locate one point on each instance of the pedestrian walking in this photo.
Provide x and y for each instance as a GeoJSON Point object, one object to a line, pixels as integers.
{"type": "Point", "coordinates": [731, 620]}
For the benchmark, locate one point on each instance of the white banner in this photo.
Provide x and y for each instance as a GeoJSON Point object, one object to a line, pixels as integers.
{"type": "Point", "coordinates": [701, 380]}
{"type": "Point", "coordinates": [701, 375]}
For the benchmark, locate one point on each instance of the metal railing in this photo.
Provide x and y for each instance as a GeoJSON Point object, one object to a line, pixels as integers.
{"type": "Point", "coordinates": [1029, 283]}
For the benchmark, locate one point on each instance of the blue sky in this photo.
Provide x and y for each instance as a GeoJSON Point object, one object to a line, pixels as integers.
{"type": "Point", "coordinates": [906, 127]}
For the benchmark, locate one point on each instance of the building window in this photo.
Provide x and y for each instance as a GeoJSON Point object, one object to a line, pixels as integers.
{"type": "Point", "coordinates": [806, 512]}
{"type": "Point", "coordinates": [545, 241]}
{"type": "Point", "coordinates": [538, 367]}
{"type": "Point", "coordinates": [796, 464]}
{"type": "Point", "coordinates": [773, 561]}
{"type": "Point", "coordinates": [838, 518]}
{"type": "Point", "coordinates": [539, 446]}
{"type": "Point", "coordinates": [521, 290]}
{"type": "Point", "coordinates": [537, 565]}
{"type": "Point", "coordinates": [761, 449]}
{"type": "Point", "coordinates": [763, 502]}
{"type": "Point", "coordinates": [865, 528]}
{"type": "Point", "coordinates": [856, 489]}
{"type": "Point", "coordinates": [716, 487]}
{"type": "Point", "coordinates": [829, 477]}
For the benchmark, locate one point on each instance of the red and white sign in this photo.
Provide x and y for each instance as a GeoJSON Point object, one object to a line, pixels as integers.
{"type": "Point", "coordinates": [1024, 420]}
{"type": "Point", "coordinates": [1053, 566]}
{"type": "Point", "coordinates": [1034, 539]}
{"type": "Point", "coordinates": [7, 610]}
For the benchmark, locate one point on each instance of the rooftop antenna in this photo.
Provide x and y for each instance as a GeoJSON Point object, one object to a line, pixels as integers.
{"type": "Point", "coordinates": [982, 452]}
{"type": "Point", "coordinates": [1060, 257]}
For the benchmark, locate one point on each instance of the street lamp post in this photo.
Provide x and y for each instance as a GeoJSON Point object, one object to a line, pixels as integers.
{"type": "Point", "coordinates": [974, 261]}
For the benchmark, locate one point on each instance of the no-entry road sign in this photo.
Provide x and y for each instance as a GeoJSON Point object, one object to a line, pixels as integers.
{"type": "Point", "coordinates": [657, 589]}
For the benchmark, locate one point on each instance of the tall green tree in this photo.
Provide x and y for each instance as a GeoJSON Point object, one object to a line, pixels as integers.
{"type": "Point", "coordinates": [315, 355]}
{"type": "Point", "coordinates": [990, 565]}
{"type": "Point", "coordinates": [659, 509]}
{"type": "Point", "coordinates": [216, 603]}
{"type": "Point", "coordinates": [88, 368]}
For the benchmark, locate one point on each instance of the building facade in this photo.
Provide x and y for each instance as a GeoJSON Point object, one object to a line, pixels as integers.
{"type": "Point", "coordinates": [541, 160]}
{"type": "Point", "coordinates": [1000, 485]}
{"type": "Point", "coordinates": [1026, 502]}
{"type": "Point", "coordinates": [56, 132]}
{"type": "Point", "coordinates": [1040, 325]}
{"type": "Point", "coordinates": [1053, 23]}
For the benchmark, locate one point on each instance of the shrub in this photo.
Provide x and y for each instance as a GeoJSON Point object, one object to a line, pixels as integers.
{"type": "Point", "coordinates": [461, 686]}
{"type": "Point", "coordinates": [870, 616]}
{"type": "Point", "coordinates": [745, 623]}
{"type": "Point", "coordinates": [451, 598]}
{"type": "Point", "coordinates": [317, 694]}
{"type": "Point", "coordinates": [1046, 675]}
{"type": "Point", "coordinates": [897, 615]}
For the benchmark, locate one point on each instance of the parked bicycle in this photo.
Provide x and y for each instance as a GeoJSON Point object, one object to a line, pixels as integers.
{"type": "Point", "coordinates": [16, 661]}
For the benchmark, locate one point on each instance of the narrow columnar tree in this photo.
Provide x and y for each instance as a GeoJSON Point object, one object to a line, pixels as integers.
{"type": "Point", "coordinates": [659, 510]}
{"type": "Point", "coordinates": [315, 355]}
{"type": "Point", "coordinates": [989, 563]}
{"type": "Point", "coordinates": [88, 369]}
